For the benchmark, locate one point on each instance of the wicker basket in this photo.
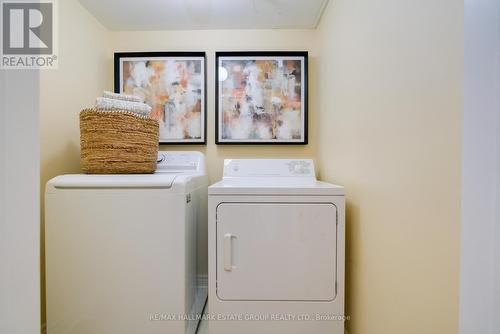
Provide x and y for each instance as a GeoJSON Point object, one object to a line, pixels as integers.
{"type": "Point", "coordinates": [117, 142]}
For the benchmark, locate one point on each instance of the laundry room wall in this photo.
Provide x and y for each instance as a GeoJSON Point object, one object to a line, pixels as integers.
{"type": "Point", "coordinates": [480, 229]}
{"type": "Point", "coordinates": [211, 41]}
{"type": "Point", "coordinates": [389, 122]}
{"type": "Point", "coordinates": [81, 76]}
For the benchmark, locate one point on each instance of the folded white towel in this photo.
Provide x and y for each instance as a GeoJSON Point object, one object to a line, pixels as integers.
{"type": "Point", "coordinates": [103, 103]}
{"type": "Point", "coordinates": [123, 97]}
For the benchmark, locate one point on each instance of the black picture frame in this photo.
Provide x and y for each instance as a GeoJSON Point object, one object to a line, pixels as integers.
{"type": "Point", "coordinates": [263, 54]}
{"type": "Point", "coordinates": [118, 88]}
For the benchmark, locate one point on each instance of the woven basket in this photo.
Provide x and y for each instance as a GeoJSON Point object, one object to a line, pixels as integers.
{"type": "Point", "coordinates": [117, 142]}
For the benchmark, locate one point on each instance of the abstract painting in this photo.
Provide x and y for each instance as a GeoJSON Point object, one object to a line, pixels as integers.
{"type": "Point", "coordinates": [261, 97]}
{"type": "Point", "coordinates": [174, 85]}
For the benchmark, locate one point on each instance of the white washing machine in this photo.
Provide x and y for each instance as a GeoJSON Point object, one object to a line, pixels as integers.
{"type": "Point", "coordinates": [121, 254]}
{"type": "Point", "coordinates": [276, 249]}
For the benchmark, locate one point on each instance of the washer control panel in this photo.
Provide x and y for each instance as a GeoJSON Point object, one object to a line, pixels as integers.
{"type": "Point", "coordinates": [175, 162]}
{"type": "Point", "coordinates": [269, 168]}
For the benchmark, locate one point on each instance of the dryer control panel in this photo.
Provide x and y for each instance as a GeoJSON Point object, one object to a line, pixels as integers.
{"type": "Point", "coordinates": [269, 168]}
{"type": "Point", "coordinates": [178, 162]}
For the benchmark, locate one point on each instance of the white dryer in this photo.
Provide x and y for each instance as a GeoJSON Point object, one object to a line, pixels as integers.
{"type": "Point", "coordinates": [121, 250]}
{"type": "Point", "coordinates": [276, 249]}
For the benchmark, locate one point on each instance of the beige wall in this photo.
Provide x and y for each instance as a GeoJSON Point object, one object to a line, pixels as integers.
{"type": "Point", "coordinates": [389, 115]}
{"type": "Point", "coordinates": [81, 76]}
{"type": "Point", "coordinates": [228, 40]}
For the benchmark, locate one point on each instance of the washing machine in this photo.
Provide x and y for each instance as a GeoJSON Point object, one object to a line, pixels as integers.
{"type": "Point", "coordinates": [121, 250]}
{"type": "Point", "coordinates": [276, 249]}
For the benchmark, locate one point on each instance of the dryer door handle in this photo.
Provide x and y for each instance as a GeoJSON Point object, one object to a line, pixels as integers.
{"type": "Point", "coordinates": [227, 252]}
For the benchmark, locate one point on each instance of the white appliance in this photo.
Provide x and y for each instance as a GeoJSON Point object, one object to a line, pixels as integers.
{"type": "Point", "coordinates": [276, 249]}
{"type": "Point", "coordinates": [121, 253]}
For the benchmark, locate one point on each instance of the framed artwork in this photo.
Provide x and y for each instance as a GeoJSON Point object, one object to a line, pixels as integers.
{"type": "Point", "coordinates": [174, 85]}
{"type": "Point", "coordinates": [261, 97]}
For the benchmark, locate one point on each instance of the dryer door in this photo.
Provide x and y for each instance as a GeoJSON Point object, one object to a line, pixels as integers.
{"type": "Point", "coordinates": [276, 251]}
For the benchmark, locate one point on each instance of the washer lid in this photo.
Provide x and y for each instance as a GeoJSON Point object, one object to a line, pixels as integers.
{"type": "Point", "coordinates": [81, 181]}
{"type": "Point", "coordinates": [170, 165]}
